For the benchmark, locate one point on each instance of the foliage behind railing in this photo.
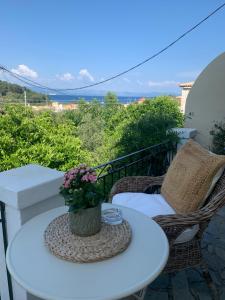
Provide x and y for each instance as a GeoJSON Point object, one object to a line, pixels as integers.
{"type": "Point", "coordinates": [151, 161]}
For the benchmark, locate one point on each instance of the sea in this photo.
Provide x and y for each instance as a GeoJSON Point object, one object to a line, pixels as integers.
{"type": "Point", "coordinates": [75, 98]}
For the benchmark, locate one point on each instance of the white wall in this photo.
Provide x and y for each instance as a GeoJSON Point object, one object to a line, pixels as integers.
{"type": "Point", "coordinates": [184, 95]}
{"type": "Point", "coordinates": [206, 101]}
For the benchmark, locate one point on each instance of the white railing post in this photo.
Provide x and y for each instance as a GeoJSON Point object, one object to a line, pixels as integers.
{"type": "Point", "coordinates": [26, 192]}
{"type": "Point", "coordinates": [184, 134]}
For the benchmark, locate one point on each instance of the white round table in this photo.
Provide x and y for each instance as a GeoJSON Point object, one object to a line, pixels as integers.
{"type": "Point", "coordinates": [44, 275]}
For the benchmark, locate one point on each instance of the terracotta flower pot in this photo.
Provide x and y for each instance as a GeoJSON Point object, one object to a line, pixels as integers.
{"type": "Point", "coordinates": [85, 222]}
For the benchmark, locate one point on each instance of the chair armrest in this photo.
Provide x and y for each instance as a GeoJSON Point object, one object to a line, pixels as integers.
{"type": "Point", "coordinates": [202, 215]}
{"type": "Point", "coordinates": [178, 219]}
{"type": "Point", "coordinates": [174, 225]}
{"type": "Point", "coordinates": [134, 184]}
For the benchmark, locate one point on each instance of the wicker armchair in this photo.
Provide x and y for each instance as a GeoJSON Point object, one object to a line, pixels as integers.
{"type": "Point", "coordinates": [187, 254]}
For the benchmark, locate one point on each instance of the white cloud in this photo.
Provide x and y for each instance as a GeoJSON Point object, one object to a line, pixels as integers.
{"type": "Point", "coordinates": [84, 74]}
{"type": "Point", "coordinates": [139, 82]}
{"type": "Point", "coordinates": [65, 77]}
{"type": "Point", "coordinates": [126, 80]}
{"type": "Point", "coordinates": [24, 70]}
{"type": "Point", "coordinates": [165, 83]}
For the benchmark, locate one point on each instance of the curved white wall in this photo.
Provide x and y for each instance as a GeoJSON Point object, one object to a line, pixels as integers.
{"type": "Point", "coordinates": [206, 101]}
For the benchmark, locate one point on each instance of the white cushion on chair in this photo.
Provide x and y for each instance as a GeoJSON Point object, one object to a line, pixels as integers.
{"type": "Point", "coordinates": [152, 205]}
{"type": "Point", "coordinates": [149, 204]}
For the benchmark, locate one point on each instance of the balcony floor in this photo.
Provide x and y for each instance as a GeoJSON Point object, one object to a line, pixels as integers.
{"type": "Point", "coordinates": [185, 285]}
{"type": "Point", "coordinates": [190, 284]}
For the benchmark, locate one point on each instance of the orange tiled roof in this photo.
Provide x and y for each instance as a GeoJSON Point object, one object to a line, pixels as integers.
{"type": "Point", "coordinates": [141, 100]}
{"type": "Point", "coordinates": [186, 84]}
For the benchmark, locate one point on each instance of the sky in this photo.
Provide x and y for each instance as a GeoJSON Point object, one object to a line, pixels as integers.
{"type": "Point", "coordinates": [71, 43]}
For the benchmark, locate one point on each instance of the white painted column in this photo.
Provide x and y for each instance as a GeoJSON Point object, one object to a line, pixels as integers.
{"type": "Point", "coordinates": [26, 192]}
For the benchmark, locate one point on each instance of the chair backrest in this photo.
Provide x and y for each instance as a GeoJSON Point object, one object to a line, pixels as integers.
{"type": "Point", "coordinates": [216, 199]}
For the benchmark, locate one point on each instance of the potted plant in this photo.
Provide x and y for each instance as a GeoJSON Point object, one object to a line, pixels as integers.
{"type": "Point", "coordinates": [81, 193]}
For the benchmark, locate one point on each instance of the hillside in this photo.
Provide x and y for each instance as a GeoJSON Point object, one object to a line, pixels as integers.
{"type": "Point", "coordinates": [10, 92]}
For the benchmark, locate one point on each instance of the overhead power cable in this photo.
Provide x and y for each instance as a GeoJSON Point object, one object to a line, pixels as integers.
{"type": "Point", "coordinates": [37, 85]}
{"type": "Point", "coordinates": [28, 81]}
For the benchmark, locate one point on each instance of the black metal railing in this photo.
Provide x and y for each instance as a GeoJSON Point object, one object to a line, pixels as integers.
{"type": "Point", "coordinates": [5, 244]}
{"type": "Point", "coordinates": [151, 161]}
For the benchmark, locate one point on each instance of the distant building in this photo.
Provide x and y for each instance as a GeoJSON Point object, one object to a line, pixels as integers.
{"type": "Point", "coordinates": [141, 100]}
{"type": "Point", "coordinates": [186, 87]}
{"type": "Point", "coordinates": [70, 106]}
{"type": "Point", "coordinates": [56, 106]}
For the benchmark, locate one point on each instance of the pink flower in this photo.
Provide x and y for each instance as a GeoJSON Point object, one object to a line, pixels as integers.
{"type": "Point", "coordinates": [84, 178]}
{"type": "Point", "coordinates": [82, 173]}
{"type": "Point", "coordinates": [66, 185]}
{"type": "Point", "coordinates": [92, 178]}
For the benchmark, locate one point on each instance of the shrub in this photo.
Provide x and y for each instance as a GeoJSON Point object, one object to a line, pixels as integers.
{"type": "Point", "coordinates": [42, 138]}
{"type": "Point", "coordinates": [218, 134]}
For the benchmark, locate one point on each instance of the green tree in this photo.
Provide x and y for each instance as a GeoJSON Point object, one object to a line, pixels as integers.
{"type": "Point", "coordinates": [15, 93]}
{"type": "Point", "coordinates": [143, 125]}
{"type": "Point", "coordinates": [111, 106]}
{"type": "Point", "coordinates": [93, 133]}
{"type": "Point", "coordinates": [26, 137]}
{"type": "Point", "coordinates": [88, 118]}
{"type": "Point", "coordinates": [90, 132]}
{"type": "Point", "coordinates": [218, 141]}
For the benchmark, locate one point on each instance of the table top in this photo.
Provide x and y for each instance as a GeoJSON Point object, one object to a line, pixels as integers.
{"type": "Point", "coordinates": [42, 274]}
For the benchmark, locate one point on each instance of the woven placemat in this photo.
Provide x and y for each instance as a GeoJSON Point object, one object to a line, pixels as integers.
{"type": "Point", "coordinates": [110, 241]}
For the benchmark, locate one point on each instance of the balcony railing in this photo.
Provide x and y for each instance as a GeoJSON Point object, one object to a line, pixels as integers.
{"type": "Point", "coordinates": [151, 161]}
